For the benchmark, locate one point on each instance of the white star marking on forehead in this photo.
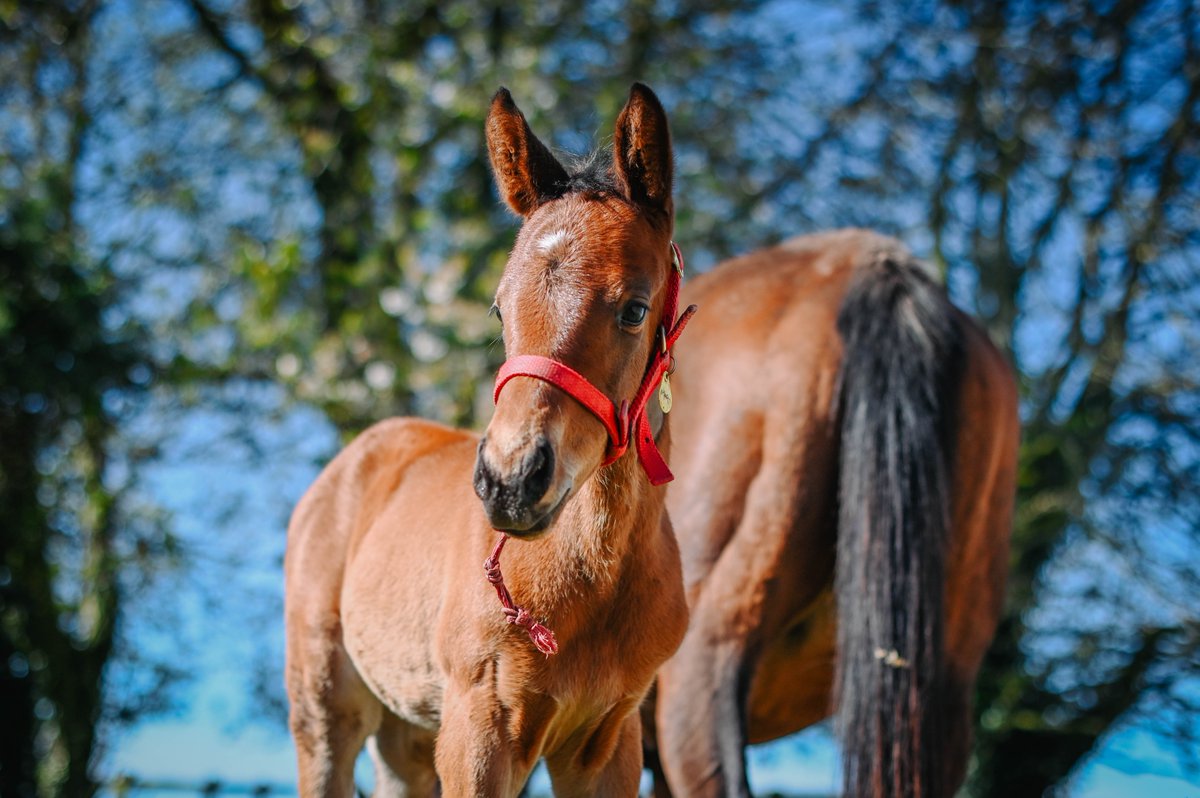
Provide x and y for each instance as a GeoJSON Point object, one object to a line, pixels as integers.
{"type": "Point", "coordinates": [555, 244]}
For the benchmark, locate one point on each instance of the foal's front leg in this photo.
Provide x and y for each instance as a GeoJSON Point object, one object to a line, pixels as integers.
{"type": "Point", "coordinates": [607, 765]}
{"type": "Point", "coordinates": [473, 753]}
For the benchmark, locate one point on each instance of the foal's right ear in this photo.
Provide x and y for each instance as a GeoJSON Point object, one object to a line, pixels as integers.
{"type": "Point", "coordinates": [642, 159]}
{"type": "Point", "coordinates": [526, 173]}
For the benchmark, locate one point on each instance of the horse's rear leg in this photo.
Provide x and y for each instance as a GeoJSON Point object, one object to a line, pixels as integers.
{"type": "Point", "coordinates": [332, 710]}
{"type": "Point", "coordinates": [777, 562]}
{"type": "Point", "coordinates": [700, 721]}
{"type": "Point", "coordinates": [957, 731]}
{"type": "Point", "coordinates": [403, 756]}
{"type": "Point", "coordinates": [651, 760]}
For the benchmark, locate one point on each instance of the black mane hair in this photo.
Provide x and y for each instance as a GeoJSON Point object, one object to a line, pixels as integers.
{"type": "Point", "coordinates": [591, 173]}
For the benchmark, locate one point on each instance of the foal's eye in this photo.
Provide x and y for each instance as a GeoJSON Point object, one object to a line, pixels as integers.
{"type": "Point", "coordinates": [494, 310]}
{"type": "Point", "coordinates": [634, 314]}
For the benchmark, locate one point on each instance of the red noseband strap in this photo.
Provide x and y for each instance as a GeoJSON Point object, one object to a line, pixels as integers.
{"type": "Point", "coordinates": [629, 422]}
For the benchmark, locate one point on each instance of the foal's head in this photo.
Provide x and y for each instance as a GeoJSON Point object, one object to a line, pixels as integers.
{"type": "Point", "coordinates": [585, 286]}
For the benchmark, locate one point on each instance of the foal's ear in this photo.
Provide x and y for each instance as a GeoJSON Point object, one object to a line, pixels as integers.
{"type": "Point", "coordinates": [642, 159]}
{"type": "Point", "coordinates": [526, 173]}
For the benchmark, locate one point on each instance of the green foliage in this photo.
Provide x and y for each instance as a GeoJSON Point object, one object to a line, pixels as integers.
{"type": "Point", "coordinates": [73, 545]}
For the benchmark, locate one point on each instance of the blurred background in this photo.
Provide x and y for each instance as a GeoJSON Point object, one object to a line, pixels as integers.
{"type": "Point", "coordinates": [235, 233]}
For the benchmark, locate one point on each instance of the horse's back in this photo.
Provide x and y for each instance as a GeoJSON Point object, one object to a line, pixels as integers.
{"type": "Point", "coordinates": [767, 328]}
{"type": "Point", "coordinates": [799, 269]}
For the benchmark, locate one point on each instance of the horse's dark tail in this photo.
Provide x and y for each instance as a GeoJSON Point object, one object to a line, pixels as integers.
{"type": "Point", "coordinates": [897, 392]}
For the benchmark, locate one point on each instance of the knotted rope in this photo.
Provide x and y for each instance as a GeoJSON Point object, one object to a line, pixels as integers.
{"type": "Point", "coordinates": [541, 635]}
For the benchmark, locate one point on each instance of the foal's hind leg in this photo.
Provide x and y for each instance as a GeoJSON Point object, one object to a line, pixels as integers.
{"type": "Point", "coordinates": [332, 710]}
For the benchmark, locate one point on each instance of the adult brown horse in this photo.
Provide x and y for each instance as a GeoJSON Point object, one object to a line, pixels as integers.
{"type": "Point", "coordinates": [846, 455]}
{"type": "Point", "coordinates": [394, 637]}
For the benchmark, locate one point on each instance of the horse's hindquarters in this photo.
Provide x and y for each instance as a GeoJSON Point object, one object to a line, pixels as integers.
{"type": "Point", "coordinates": [762, 454]}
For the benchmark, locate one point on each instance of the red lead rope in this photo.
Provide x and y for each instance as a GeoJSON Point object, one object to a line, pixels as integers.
{"type": "Point", "coordinates": [621, 423]}
{"type": "Point", "coordinates": [541, 635]}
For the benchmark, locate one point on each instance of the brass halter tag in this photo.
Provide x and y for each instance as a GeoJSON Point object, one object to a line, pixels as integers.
{"type": "Point", "coordinates": [664, 394]}
{"type": "Point", "coordinates": [664, 387]}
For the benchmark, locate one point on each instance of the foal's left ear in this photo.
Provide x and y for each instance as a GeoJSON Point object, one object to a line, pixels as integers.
{"type": "Point", "coordinates": [642, 158]}
{"type": "Point", "coordinates": [527, 174]}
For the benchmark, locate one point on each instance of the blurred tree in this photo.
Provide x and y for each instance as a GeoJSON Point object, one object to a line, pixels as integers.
{"type": "Point", "coordinates": [385, 104]}
{"type": "Point", "coordinates": [74, 539]}
{"type": "Point", "coordinates": [378, 305]}
{"type": "Point", "coordinates": [229, 196]}
{"type": "Point", "coordinates": [1044, 155]}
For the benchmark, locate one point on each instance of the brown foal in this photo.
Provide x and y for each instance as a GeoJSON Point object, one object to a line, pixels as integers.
{"type": "Point", "coordinates": [394, 637]}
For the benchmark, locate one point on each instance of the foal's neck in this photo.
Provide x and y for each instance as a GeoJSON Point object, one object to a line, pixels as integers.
{"type": "Point", "coordinates": [610, 518]}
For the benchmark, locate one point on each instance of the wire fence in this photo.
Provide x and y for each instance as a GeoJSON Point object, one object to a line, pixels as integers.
{"type": "Point", "coordinates": [127, 786]}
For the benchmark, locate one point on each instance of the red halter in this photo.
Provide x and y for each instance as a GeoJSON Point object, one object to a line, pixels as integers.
{"type": "Point", "coordinates": [621, 422]}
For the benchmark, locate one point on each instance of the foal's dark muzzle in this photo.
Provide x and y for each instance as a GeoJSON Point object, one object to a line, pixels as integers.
{"type": "Point", "coordinates": [514, 501]}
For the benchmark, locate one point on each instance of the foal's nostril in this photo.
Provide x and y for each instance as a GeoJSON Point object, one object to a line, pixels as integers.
{"type": "Point", "coordinates": [484, 480]}
{"type": "Point", "coordinates": [509, 497]}
{"type": "Point", "coordinates": [538, 472]}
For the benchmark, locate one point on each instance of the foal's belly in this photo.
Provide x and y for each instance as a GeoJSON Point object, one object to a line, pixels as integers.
{"type": "Point", "coordinates": [391, 602]}
{"type": "Point", "coordinates": [793, 676]}
{"type": "Point", "coordinates": [393, 659]}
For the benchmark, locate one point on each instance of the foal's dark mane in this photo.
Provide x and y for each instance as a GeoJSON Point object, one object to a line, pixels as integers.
{"type": "Point", "coordinates": [593, 176]}
{"type": "Point", "coordinates": [591, 173]}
